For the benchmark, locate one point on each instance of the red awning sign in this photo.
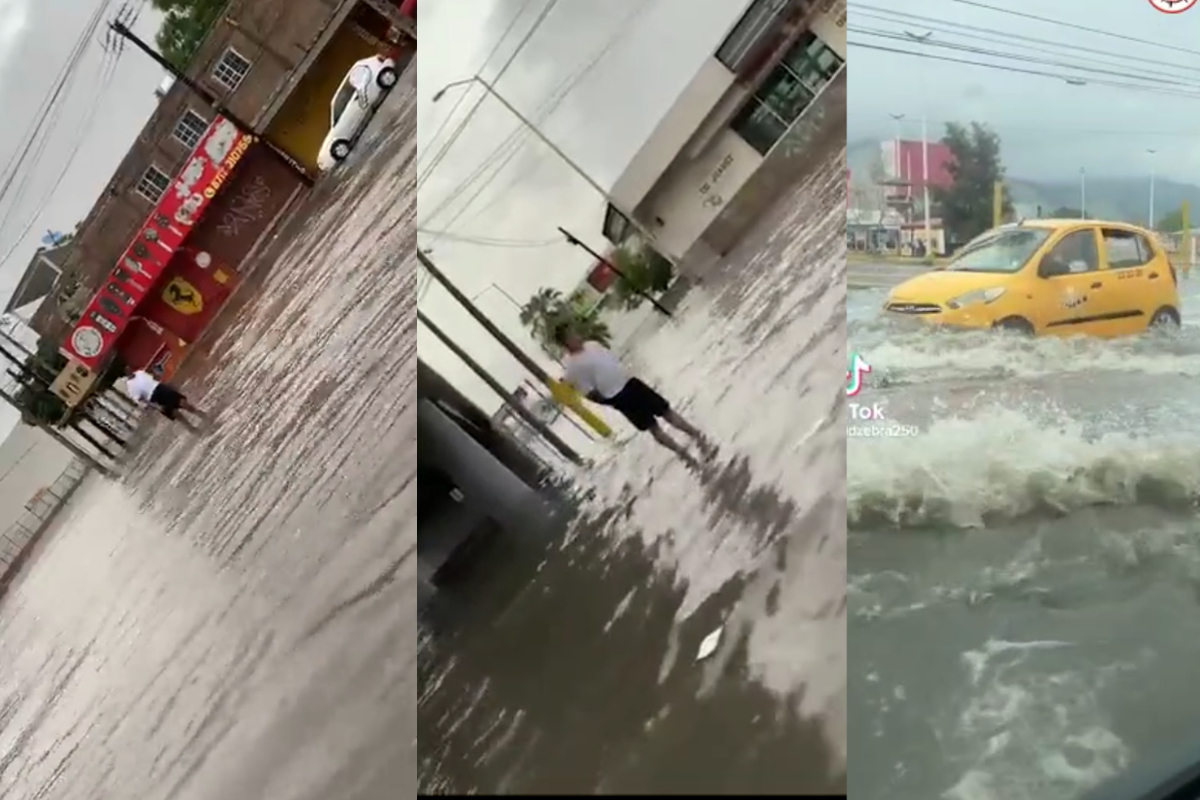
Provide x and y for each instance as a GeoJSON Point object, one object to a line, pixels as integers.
{"type": "Point", "coordinates": [181, 206]}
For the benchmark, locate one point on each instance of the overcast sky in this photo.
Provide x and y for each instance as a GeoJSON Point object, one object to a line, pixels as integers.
{"type": "Point", "coordinates": [1050, 128]}
{"type": "Point", "coordinates": [35, 41]}
{"type": "Point", "coordinates": [607, 112]}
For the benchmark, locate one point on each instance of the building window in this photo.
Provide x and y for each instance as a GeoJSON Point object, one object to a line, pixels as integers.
{"type": "Point", "coordinates": [231, 69]}
{"type": "Point", "coordinates": [760, 22]}
{"type": "Point", "coordinates": [786, 93]}
{"type": "Point", "coordinates": [189, 129]}
{"type": "Point", "coordinates": [154, 184]}
{"type": "Point", "coordinates": [617, 228]}
{"type": "Point", "coordinates": [813, 62]}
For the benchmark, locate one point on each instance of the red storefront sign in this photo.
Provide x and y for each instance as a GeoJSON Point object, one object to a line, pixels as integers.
{"type": "Point", "coordinates": [139, 269]}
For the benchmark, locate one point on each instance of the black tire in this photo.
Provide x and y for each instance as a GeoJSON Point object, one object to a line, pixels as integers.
{"type": "Point", "coordinates": [386, 78]}
{"type": "Point", "coordinates": [1166, 318]}
{"type": "Point", "coordinates": [340, 150]}
{"type": "Point", "coordinates": [1015, 325]}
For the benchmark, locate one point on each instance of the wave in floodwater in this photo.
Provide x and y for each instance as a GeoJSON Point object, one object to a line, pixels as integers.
{"type": "Point", "coordinates": [1004, 465]}
{"type": "Point", "coordinates": [904, 356]}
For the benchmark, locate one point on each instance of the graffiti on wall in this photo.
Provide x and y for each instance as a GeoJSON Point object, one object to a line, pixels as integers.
{"type": "Point", "coordinates": [248, 206]}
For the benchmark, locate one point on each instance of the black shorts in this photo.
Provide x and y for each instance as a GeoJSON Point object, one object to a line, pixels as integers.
{"type": "Point", "coordinates": [168, 399]}
{"type": "Point", "coordinates": [640, 404]}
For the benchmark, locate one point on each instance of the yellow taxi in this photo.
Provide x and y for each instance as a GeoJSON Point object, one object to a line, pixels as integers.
{"type": "Point", "coordinates": [1049, 276]}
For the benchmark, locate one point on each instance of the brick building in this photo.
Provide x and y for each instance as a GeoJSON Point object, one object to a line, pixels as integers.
{"type": "Point", "coordinates": [274, 64]}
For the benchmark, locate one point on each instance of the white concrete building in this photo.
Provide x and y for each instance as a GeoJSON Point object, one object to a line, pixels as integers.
{"type": "Point", "coordinates": [772, 89]}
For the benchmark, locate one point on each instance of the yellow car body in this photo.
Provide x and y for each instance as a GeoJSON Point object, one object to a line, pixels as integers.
{"type": "Point", "coordinates": [1049, 277]}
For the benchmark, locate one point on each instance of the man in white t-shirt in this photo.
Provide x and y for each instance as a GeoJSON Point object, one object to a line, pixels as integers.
{"type": "Point", "coordinates": [146, 390]}
{"type": "Point", "coordinates": [596, 373]}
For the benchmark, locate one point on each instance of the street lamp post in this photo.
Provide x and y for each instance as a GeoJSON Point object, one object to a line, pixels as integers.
{"type": "Point", "coordinates": [1151, 153]}
{"type": "Point", "coordinates": [558, 151]}
{"type": "Point", "coordinates": [1082, 193]}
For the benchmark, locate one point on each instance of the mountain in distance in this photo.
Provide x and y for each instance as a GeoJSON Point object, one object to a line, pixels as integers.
{"type": "Point", "coordinates": [1126, 199]}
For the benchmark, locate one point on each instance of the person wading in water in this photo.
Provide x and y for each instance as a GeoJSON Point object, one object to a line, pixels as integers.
{"type": "Point", "coordinates": [596, 373]}
{"type": "Point", "coordinates": [147, 391]}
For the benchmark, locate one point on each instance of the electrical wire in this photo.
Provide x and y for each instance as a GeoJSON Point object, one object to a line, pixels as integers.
{"type": "Point", "coordinates": [463, 95]}
{"type": "Point", "coordinates": [458, 131]}
{"type": "Point", "coordinates": [495, 163]}
{"type": "Point", "coordinates": [1016, 57]}
{"type": "Point", "coordinates": [26, 160]}
{"type": "Point", "coordinates": [1024, 71]}
{"type": "Point", "coordinates": [1075, 26]}
{"type": "Point", "coordinates": [1012, 39]}
{"type": "Point", "coordinates": [489, 241]}
{"type": "Point", "coordinates": [549, 109]}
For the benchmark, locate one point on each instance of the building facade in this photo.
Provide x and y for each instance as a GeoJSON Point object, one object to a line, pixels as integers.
{"type": "Point", "coordinates": [740, 133]}
{"type": "Point", "coordinates": [271, 63]}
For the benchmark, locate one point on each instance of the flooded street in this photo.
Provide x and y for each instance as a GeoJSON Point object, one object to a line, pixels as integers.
{"type": "Point", "coordinates": [569, 663]}
{"type": "Point", "coordinates": [233, 620]}
{"type": "Point", "coordinates": [1024, 573]}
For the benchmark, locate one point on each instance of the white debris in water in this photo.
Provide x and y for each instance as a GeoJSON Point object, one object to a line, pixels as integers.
{"type": "Point", "coordinates": [710, 644]}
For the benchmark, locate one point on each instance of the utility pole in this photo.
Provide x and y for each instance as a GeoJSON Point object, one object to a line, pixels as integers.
{"type": "Point", "coordinates": [122, 30]}
{"type": "Point", "coordinates": [517, 407]}
{"type": "Point", "coordinates": [508, 344]}
{"type": "Point", "coordinates": [573, 240]}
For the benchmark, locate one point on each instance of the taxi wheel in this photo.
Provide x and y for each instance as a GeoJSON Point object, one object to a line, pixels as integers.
{"type": "Point", "coordinates": [1015, 325]}
{"type": "Point", "coordinates": [1165, 317]}
{"type": "Point", "coordinates": [340, 150]}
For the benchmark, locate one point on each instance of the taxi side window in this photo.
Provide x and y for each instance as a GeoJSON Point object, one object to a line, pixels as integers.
{"type": "Point", "coordinates": [1076, 252]}
{"type": "Point", "coordinates": [1126, 250]}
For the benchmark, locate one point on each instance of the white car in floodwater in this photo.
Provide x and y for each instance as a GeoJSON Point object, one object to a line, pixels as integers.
{"type": "Point", "coordinates": [353, 105]}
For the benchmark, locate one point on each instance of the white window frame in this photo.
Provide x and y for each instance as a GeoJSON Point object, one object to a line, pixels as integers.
{"type": "Point", "coordinates": [144, 182]}
{"type": "Point", "coordinates": [187, 114]}
{"type": "Point", "coordinates": [217, 74]}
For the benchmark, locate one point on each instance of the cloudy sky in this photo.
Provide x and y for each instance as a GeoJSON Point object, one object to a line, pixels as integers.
{"type": "Point", "coordinates": [1050, 128]}
{"type": "Point", "coordinates": [102, 117]}
{"type": "Point", "coordinates": [597, 78]}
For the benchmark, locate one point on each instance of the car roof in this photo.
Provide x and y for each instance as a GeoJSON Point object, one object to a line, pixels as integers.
{"type": "Point", "coordinates": [1055, 224]}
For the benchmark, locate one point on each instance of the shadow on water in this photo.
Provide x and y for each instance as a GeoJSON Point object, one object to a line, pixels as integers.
{"type": "Point", "coordinates": [557, 663]}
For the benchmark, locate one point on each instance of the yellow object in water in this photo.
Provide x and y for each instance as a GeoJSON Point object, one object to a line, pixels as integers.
{"type": "Point", "coordinates": [566, 396]}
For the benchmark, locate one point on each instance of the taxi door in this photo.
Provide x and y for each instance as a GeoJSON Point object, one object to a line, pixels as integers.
{"type": "Point", "coordinates": [1139, 278]}
{"type": "Point", "coordinates": [1080, 300]}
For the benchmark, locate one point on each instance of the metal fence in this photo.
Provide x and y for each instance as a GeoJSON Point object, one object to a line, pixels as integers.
{"type": "Point", "coordinates": [16, 542]}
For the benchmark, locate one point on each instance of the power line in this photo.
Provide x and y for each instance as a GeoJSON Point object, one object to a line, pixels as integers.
{"type": "Point", "coordinates": [489, 241]}
{"type": "Point", "coordinates": [1074, 26]}
{"type": "Point", "coordinates": [1018, 57]}
{"type": "Point", "coordinates": [507, 150]}
{"type": "Point", "coordinates": [1141, 133]}
{"type": "Point", "coordinates": [537, 23]}
{"type": "Point", "coordinates": [545, 113]}
{"type": "Point", "coordinates": [491, 54]}
{"type": "Point", "coordinates": [37, 137]}
{"type": "Point", "coordinates": [1010, 38]}
{"type": "Point", "coordinates": [1024, 71]}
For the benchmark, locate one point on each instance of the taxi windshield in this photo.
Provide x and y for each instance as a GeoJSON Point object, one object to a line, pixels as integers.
{"type": "Point", "coordinates": [1001, 251]}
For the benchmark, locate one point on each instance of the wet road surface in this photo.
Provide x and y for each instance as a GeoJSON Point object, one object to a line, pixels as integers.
{"type": "Point", "coordinates": [568, 663]}
{"type": "Point", "coordinates": [1024, 572]}
{"type": "Point", "coordinates": [234, 619]}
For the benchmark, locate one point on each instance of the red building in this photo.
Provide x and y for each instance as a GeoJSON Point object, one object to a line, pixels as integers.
{"type": "Point", "coordinates": [184, 262]}
{"type": "Point", "coordinates": [904, 165]}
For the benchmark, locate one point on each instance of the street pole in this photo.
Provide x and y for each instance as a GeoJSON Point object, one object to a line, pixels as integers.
{"type": "Point", "coordinates": [925, 183]}
{"type": "Point", "coordinates": [1151, 223]}
{"type": "Point", "coordinates": [573, 240]}
{"type": "Point", "coordinates": [508, 344]}
{"type": "Point", "coordinates": [544, 139]}
{"type": "Point", "coordinates": [1082, 193]}
{"type": "Point", "coordinates": [512, 402]}
{"type": "Point", "coordinates": [121, 29]}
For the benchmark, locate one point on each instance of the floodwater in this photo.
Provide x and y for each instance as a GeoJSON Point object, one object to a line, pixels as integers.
{"type": "Point", "coordinates": [1024, 572]}
{"type": "Point", "coordinates": [569, 664]}
{"type": "Point", "coordinates": [234, 620]}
